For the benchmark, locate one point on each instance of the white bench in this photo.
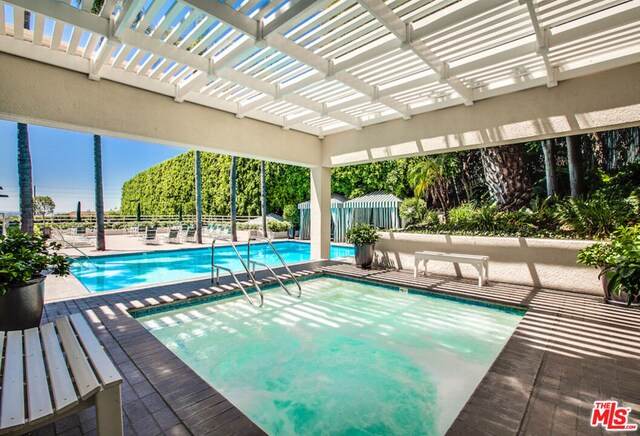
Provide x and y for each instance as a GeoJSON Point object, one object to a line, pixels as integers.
{"type": "Point", "coordinates": [57, 370]}
{"type": "Point", "coordinates": [481, 263]}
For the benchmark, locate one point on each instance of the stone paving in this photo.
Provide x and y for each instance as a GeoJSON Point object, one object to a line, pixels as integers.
{"type": "Point", "coordinates": [568, 351]}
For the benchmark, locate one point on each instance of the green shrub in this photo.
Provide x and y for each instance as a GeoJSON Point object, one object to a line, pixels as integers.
{"type": "Point", "coordinates": [413, 210]}
{"type": "Point", "coordinates": [247, 226]}
{"type": "Point", "coordinates": [361, 233]}
{"type": "Point", "coordinates": [291, 214]}
{"type": "Point", "coordinates": [278, 226]}
{"type": "Point", "coordinates": [430, 218]}
{"type": "Point", "coordinates": [594, 218]}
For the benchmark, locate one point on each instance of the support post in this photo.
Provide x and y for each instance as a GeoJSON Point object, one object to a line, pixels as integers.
{"type": "Point", "coordinates": [320, 212]}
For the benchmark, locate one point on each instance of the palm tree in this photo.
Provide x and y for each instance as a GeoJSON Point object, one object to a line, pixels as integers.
{"type": "Point", "coordinates": [198, 198]}
{"type": "Point", "coordinates": [232, 184]}
{"type": "Point", "coordinates": [576, 168]}
{"type": "Point", "coordinates": [97, 174]}
{"type": "Point", "coordinates": [429, 178]}
{"type": "Point", "coordinates": [548, 149]}
{"type": "Point", "coordinates": [506, 175]}
{"type": "Point", "coordinates": [263, 198]}
{"type": "Point", "coordinates": [25, 180]}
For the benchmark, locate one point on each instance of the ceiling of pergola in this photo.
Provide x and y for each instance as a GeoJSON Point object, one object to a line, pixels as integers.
{"type": "Point", "coordinates": [323, 67]}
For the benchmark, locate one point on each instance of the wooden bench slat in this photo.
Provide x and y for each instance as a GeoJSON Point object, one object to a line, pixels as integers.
{"type": "Point", "coordinates": [64, 394]}
{"type": "Point", "coordinates": [13, 383]}
{"type": "Point", "coordinates": [38, 398]}
{"type": "Point", "coordinates": [85, 379]}
{"type": "Point", "coordinates": [451, 255]}
{"type": "Point", "coordinates": [105, 369]}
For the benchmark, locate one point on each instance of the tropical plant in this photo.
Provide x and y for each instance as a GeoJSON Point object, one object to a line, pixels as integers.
{"type": "Point", "coordinates": [25, 181]}
{"type": "Point", "coordinates": [97, 171]}
{"type": "Point", "coordinates": [413, 210]}
{"type": "Point", "coordinates": [24, 257]}
{"type": "Point", "coordinates": [506, 175]}
{"type": "Point", "coordinates": [43, 205]}
{"type": "Point", "coordinates": [278, 226]}
{"type": "Point", "coordinates": [596, 217]}
{"type": "Point", "coordinates": [430, 178]}
{"type": "Point", "coordinates": [362, 233]}
{"type": "Point", "coordinates": [597, 255]}
{"type": "Point", "coordinates": [623, 263]}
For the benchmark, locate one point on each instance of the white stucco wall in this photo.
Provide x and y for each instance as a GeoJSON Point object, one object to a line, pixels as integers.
{"type": "Point", "coordinates": [546, 263]}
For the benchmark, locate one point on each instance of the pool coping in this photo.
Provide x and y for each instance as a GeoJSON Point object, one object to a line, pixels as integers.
{"type": "Point", "coordinates": [502, 403]}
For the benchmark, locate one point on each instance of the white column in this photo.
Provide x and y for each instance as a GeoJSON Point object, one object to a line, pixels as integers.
{"type": "Point", "coordinates": [320, 212]}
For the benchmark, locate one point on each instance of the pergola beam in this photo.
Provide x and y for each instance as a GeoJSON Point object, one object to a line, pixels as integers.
{"type": "Point", "coordinates": [403, 31]}
{"type": "Point", "coordinates": [254, 29]}
{"type": "Point", "coordinates": [542, 39]}
{"type": "Point", "coordinates": [294, 11]}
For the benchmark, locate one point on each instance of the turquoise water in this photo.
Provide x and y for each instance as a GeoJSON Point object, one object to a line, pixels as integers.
{"type": "Point", "coordinates": [346, 358]}
{"type": "Point", "coordinates": [108, 273]}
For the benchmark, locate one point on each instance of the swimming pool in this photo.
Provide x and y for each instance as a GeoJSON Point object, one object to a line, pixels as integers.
{"type": "Point", "coordinates": [347, 358]}
{"type": "Point", "coordinates": [108, 273]}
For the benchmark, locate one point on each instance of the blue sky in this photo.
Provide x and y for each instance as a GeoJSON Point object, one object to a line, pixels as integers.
{"type": "Point", "coordinates": [62, 163]}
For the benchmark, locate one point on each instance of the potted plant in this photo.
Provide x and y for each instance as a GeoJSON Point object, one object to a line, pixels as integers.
{"type": "Point", "coordinates": [25, 260]}
{"type": "Point", "coordinates": [364, 237]}
{"type": "Point", "coordinates": [619, 261]}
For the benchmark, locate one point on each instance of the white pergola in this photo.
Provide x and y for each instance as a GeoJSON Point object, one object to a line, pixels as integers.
{"type": "Point", "coordinates": [323, 83]}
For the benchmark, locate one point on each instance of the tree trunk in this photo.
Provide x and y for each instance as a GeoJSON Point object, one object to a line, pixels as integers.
{"type": "Point", "coordinates": [576, 170]}
{"type": "Point", "coordinates": [232, 183]}
{"type": "Point", "coordinates": [599, 151]}
{"type": "Point", "coordinates": [465, 164]}
{"type": "Point", "coordinates": [506, 175]}
{"type": "Point", "coordinates": [263, 198]}
{"type": "Point", "coordinates": [198, 198]}
{"type": "Point", "coordinates": [25, 180]}
{"type": "Point", "coordinates": [548, 148]}
{"type": "Point", "coordinates": [97, 172]}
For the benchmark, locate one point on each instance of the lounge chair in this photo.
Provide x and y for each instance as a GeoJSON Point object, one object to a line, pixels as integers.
{"type": "Point", "coordinates": [150, 237]}
{"type": "Point", "coordinates": [172, 237]}
{"type": "Point", "coordinates": [189, 236]}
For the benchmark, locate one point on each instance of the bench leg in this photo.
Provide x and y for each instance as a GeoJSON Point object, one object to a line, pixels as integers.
{"type": "Point", "coordinates": [480, 270]}
{"type": "Point", "coordinates": [109, 412]}
{"type": "Point", "coordinates": [486, 272]}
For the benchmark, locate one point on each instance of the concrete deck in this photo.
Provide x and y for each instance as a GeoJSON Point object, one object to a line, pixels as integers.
{"type": "Point", "coordinates": [568, 351]}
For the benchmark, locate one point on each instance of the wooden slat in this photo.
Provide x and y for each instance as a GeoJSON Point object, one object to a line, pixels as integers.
{"type": "Point", "coordinates": [104, 368]}
{"type": "Point", "coordinates": [86, 382]}
{"type": "Point", "coordinates": [58, 29]}
{"type": "Point", "coordinates": [38, 30]}
{"type": "Point", "coordinates": [38, 399]}
{"type": "Point", "coordinates": [13, 383]}
{"type": "Point", "coordinates": [2, 22]}
{"type": "Point", "coordinates": [64, 395]}
{"type": "Point", "coordinates": [74, 41]}
{"type": "Point", "coordinates": [18, 22]}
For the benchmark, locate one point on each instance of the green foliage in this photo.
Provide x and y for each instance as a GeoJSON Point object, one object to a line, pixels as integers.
{"type": "Point", "coordinates": [413, 210]}
{"type": "Point", "coordinates": [247, 226]}
{"type": "Point", "coordinates": [161, 189]}
{"type": "Point", "coordinates": [291, 214]}
{"type": "Point", "coordinates": [278, 226]}
{"type": "Point", "coordinates": [356, 180]}
{"type": "Point", "coordinates": [595, 255]}
{"type": "Point", "coordinates": [362, 233]}
{"type": "Point", "coordinates": [623, 263]}
{"type": "Point", "coordinates": [595, 217]}
{"type": "Point", "coordinates": [24, 257]}
{"type": "Point", "coordinates": [43, 205]}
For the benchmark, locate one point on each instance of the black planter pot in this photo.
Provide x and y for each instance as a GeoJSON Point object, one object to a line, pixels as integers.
{"type": "Point", "coordinates": [21, 307]}
{"type": "Point", "coordinates": [364, 255]}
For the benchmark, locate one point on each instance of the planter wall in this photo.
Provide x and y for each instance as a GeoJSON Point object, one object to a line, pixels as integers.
{"type": "Point", "coordinates": [546, 263]}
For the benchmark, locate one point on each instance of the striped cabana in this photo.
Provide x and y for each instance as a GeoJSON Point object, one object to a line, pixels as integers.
{"type": "Point", "coordinates": [378, 208]}
{"type": "Point", "coordinates": [338, 222]}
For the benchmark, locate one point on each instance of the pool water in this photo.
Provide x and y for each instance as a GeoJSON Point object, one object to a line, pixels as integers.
{"type": "Point", "coordinates": [108, 273]}
{"type": "Point", "coordinates": [346, 358]}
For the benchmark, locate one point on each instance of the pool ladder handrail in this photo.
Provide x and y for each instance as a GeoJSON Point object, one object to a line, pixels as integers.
{"type": "Point", "coordinates": [215, 270]}
{"type": "Point", "coordinates": [70, 244]}
{"type": "Point", "coordinates": [284, 264]}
